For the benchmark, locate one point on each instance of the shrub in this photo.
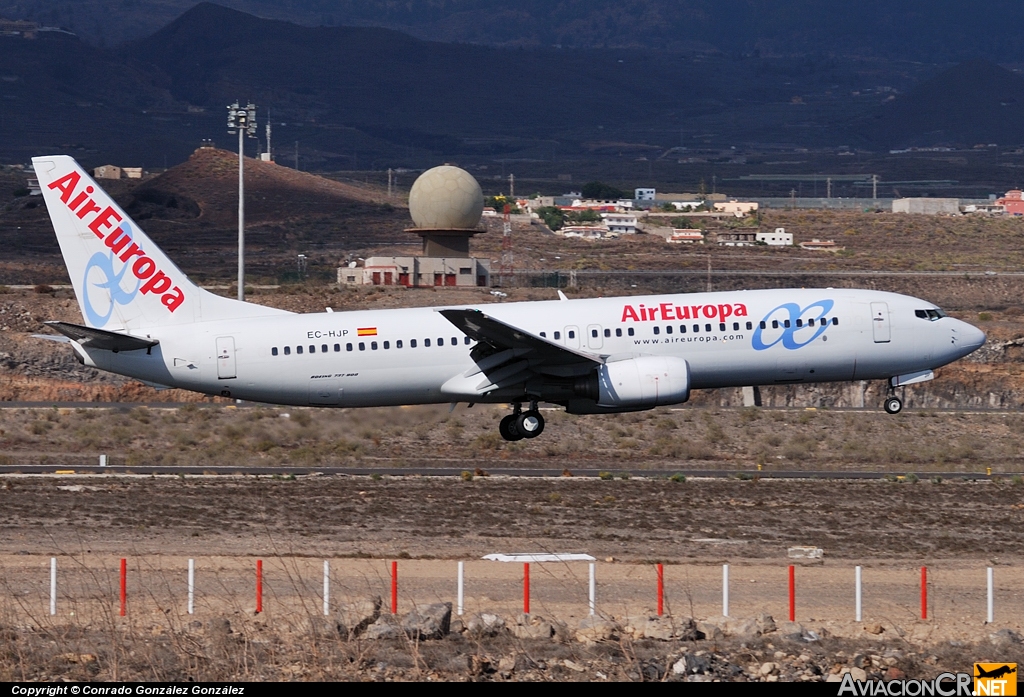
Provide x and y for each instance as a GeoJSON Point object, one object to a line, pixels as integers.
{"type": "Point", "coordinates": [605, 475]}
{"type": "Point", "coordinates": [623, 475]}
{"type": "Point", "coordinates": [677, 477]}
{"type": "Point", "coordinates": [467, 476]}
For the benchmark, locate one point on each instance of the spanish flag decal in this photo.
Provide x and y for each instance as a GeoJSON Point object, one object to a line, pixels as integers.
{"type": "Point", "coordinates": [366, 331]}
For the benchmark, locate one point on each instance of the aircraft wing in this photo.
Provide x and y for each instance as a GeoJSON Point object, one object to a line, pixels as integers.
{"type": "Point", "coordinates": [90, 337]}
{"type": "Point", "coordinates": [509, 358]}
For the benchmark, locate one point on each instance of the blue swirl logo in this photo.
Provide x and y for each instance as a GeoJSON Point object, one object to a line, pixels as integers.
{"type": "Point", "coordinates": [102, 285]}
{"type": "Point", "coordinates": [787, 331]}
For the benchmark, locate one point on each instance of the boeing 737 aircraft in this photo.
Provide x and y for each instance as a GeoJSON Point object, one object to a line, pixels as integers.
{"type": "Point", "coordinates": [143, 318]}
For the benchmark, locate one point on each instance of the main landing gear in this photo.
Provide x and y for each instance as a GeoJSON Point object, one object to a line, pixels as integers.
{"type": "Point", "coordinates": [893, 404]}
{"type": "Point", "coordinates": [522, 424]}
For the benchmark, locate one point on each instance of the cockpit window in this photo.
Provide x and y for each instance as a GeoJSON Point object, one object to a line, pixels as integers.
{"type": "Point", "coordinates": [930, 315]}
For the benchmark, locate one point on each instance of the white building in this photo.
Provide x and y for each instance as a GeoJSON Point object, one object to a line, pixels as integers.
{"type": "Point", "coordinates": [686, 236]}
{"type": "Point", "coordinates": [644, 194]}
{"type": "Point", "coordinates": [779, 238]}
{"type": "Point", "coordinates": [622, 223]}
{"type": "Point", "coordinates": [927, 206]}
{"type": "Point", "coordinates": [737, 208]}
{"type": "Point", "coordinates": [417, 272]}
{"type": "Point", "coordinates": [586, 232]}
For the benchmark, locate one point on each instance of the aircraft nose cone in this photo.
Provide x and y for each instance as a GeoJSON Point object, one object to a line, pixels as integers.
{"type": "Point", "coordinates": [970, 338]}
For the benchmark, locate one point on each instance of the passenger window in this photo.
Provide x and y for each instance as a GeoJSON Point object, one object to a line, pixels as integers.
{"type": "Point", "coordinates": [323, 349]}
{"type": "Point", "coordinates": [337, 348]}
{"type": "Point", "coordinates": [750, 325]}
{"type": "Point", "coordinates": [735, 326]}
{"type": "Point", "coordinates": [466, 340]}
{"type": "Point", "coordinates": [618, 332]}
{"type": "Point", "coordinates": [348, 347]}
{"type": "Point", "coordinates": [630, 331]}
{"type": "Point", "coordinates": [835, 321]}
{"type": "Point", "coordinates": [572, 334]}
{"type": "Point", "coordinates": [707, 327]}
{"type": "Point", "coordinates": [362, 346]}
{"type": "Point", "coordinates": [373, 345]}
{"type": "Point", "coordinates": [775, 324]}
{"type": "Point", "coordinates": [786, 323]}
{"type": "Point", "coordinates": [387, 345]}
{"type": "Point", "coordinates": [799, 323]}
{"type": "Point", "coordinates": [668, 329]}
{"type": "Point", "coordinates": [273, 351]}
{"type": "Point", "coordinates": [682, 328]}
{"type": "Point", "coordinates": [607, 333]}
{"type": "Point", "coordinates": [558, 335]}
{"type": "Point", "coordinates": [657, 330]}
{"type": "Point", "coordinates": [312, 348]}
{"type": "Point", "coordinates": [398, 344]}
{"type": "Point", "coordinates": [455, 341]}
{"type": "Point", "coordinates": [721, 326]}
{"type": "Point", "coordinates": [696, 328]}
{"type": "Point", "coordinates": [544, 334]}
{"type": "Point", "coordinates": [763, 326]}
{"type": "Point", "coordinates": [287, 350]}
{"type": "Point", "coordinates": [298, 349]}
{"type": "Point", "coordinates": [810, 323]}
{"type": "Point", "coordinates": [440, 341]}
{"type": "Point", "coordinates": [412, 343]}
{"type": "Point", "coordinates": [593, 333]}
{"type": "Point", "coordinates": [426, 342]}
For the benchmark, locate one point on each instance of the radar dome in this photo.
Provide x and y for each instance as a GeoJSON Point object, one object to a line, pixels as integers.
{"type": "Point", "coordinates": [446, 198]}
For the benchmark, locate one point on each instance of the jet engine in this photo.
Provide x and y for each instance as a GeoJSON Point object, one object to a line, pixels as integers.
{"type": "Point", "coordinates": [635, 383]}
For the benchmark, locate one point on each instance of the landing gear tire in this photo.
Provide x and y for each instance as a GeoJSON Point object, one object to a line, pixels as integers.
{"type": "Point", "coordinates": [893, 405]}
{"type": "Point", "coordinates": [530, 424]}
{"type": "Point", "coordinates": [508, 428]}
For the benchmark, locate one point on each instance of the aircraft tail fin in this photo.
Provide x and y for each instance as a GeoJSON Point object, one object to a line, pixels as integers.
{"type": "Point", "coordinates": [121, 278]}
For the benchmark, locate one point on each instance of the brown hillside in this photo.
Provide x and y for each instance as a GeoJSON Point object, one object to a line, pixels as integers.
{"type": "Point", "coordinates": [206, 187]}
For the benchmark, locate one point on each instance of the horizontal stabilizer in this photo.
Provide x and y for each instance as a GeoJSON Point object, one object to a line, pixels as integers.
{"type": "Point", "coordinates": [89, 337]}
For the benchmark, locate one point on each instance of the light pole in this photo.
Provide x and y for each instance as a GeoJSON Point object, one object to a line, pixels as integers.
{"type": "Point", "coordinates": [243, 120]}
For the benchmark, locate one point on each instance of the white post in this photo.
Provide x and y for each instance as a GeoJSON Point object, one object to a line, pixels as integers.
{"type": "Point", "coordinates": [53, 585]}
{"type": "Point", "coordinates": [725, 590]}
{"type": "Point", "coordinates": [103, 460]}
{"type": "Point", "coordinates": [462, 588]}
{"type": "Point", "coordinates": [241, 212]}
{"type": "Point", "coordinates": [327, 587]}
{"type": "Point", "coordinates": [991, 596]}
{"type": "Point", "coordinates": [191, 586]}
{"type": "Point", "coordinates": [859, 594]}
{"type": "Point", "coordinates": [593, 588]}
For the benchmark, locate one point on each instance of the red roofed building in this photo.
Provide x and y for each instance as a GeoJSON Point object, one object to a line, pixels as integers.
{"type": "Point", "coordinates": [1013, 202]}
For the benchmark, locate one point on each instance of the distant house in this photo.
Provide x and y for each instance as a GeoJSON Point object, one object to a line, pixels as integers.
{"type": "Point", "coordinates": [927, 206]}
{"type": "Point", "coordinates": [417, 272]}
{"type": "Point", "coordinates": [586, 232]}
{"type": "Point", "coordinates": [779, 238]}
{"type": "Point", "coordinates": [107, 172]}
{"type": "Point", "coordinates": [132, 172]}
{"type": "Point", "coordinates": [644, 194]}
{"type": "Point", "coordinates": [623, 223]}
{"type": "Point", "coordinates": [1013, 202]}
{"type": "Point", "coordinates": [736, 238]}
{"type": "Point", "coordinates": [686, 236]}
{"type": "Point", "coordinates": [821, 245]}
{"type": "Point", "coordinates": [737, 208]}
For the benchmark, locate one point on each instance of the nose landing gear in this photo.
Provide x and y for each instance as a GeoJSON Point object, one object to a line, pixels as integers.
{"type": "Point", "coordinates": [521, 424]}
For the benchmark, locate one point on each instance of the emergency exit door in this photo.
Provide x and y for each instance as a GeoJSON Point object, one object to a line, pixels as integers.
{"type": "Point", "coordinates": [880, 322]}
{"type": "Point", "coordinates": [226, 357]}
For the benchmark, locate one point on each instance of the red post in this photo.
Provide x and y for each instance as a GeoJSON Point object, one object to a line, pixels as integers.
{"type": "Point", "coordinates": [394, 588]}
{"type": "Point", "coordinates": [124, 586]}
{"type": "Point", "coordinates": [259, 586]}
{"type": "Point", "coordinates": [526, 587]}
{"type": "Point", "coordinates": [661, 590]}
{"type": "Point", "coordinates": [792, 593]}
{"type": "Point", "coordinates": [924, 592]}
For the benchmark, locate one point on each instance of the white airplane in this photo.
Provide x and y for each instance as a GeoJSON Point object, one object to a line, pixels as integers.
{"type": "Point", "coordinates": [145, 319]}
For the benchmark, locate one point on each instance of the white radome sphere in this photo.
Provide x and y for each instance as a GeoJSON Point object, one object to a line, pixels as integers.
{"type": "Point", "coordinates": [446, 198]}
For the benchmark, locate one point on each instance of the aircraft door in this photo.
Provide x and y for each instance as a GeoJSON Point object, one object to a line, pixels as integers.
{"type": "Point", "coordinates": [594, 339]}
{"type": "Point", "coordinates": [572, 337]}
{"type": "Point", "coordinates": [226, 357]}
{"type": "Point", "coordinates": [880, 322]}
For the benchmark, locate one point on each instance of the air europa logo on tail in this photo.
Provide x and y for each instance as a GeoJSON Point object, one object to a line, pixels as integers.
{"type": "Point", "coordinates": [104, 224]}
{"type": "Point", "coordinates": [669, 311]}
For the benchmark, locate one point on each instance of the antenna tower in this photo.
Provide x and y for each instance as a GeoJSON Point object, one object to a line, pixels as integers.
{"type": "Point", "coordinates": [507, 270]}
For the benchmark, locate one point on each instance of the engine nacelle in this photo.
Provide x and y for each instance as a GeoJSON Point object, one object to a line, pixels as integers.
{"type": "Point", "coordinates": [646, 381]}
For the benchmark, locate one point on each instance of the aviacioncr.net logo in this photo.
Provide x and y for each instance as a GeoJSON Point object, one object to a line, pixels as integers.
{"type": "Point", "coordinates": [788, 324]}
{"type": "Point", "coordinates": [103, 287]}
